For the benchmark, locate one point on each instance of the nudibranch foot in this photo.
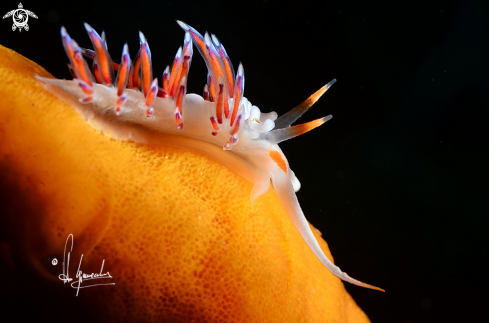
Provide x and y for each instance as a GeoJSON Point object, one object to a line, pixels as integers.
{"type": "Point", "coordinates": [223, 124]}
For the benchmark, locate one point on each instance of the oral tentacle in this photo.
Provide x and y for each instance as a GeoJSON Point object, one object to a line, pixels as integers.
{"type": "Point", "coordinates": [279, 135]}
{"type": "Point", "coordinates": [291, 116]}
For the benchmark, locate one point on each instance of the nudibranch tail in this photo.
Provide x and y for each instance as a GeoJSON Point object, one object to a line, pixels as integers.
{"type": "Point", "coordinates": [132, 106]}
{"type": "Point", "coordinates": [291, 204]}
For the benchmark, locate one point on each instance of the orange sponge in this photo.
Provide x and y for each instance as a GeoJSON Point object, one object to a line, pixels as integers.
{"type": "Point", "coordinates": [175, 229]}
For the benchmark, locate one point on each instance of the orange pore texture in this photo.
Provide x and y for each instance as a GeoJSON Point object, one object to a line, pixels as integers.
{"type": "Point", "coordinates": [176, 228]}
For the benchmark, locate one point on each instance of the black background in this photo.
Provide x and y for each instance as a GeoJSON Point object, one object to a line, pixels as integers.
{"type": "Point", "coordinates": [397, 181]}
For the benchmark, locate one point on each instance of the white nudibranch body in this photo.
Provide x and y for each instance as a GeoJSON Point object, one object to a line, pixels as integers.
{"type": "Point", "coordinates": [222, 124]}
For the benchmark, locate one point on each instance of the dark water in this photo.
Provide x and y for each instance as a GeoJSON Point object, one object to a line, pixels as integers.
{"type": "Point", "coordinates": [397, 181]}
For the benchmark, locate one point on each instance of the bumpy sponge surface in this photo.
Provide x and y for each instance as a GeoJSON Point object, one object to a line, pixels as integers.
{"type": "Point", "coordinates": [176, 228]}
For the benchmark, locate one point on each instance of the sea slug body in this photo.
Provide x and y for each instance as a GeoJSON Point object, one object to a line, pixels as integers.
{"type": "Point", "coordinates": [222, 124]}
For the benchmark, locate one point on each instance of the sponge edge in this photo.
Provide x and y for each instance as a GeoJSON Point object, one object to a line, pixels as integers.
{"type": "Point", "coordinates": [176, 228]}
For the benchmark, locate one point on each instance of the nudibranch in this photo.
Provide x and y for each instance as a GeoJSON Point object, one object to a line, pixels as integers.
{"type": "Point", "coordinates": [135, 106]}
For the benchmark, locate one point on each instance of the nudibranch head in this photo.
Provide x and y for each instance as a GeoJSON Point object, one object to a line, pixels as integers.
{"type": "Point", "coordinates": [135, 106]}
